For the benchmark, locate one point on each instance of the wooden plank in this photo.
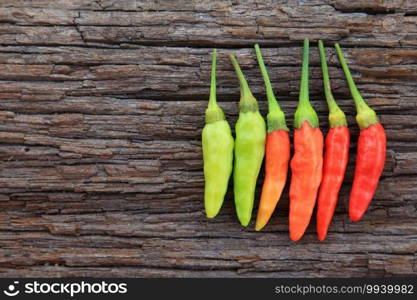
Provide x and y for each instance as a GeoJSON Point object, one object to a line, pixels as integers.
{"type": "Point", "coordinates": [101, 112]}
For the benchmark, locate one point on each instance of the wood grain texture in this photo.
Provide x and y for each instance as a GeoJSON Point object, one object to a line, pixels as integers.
{"type": "Point", "coordinates": [101, 110]}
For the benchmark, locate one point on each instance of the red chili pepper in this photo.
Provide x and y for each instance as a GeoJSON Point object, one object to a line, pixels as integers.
{"type": "Point", "coordinates": [277, 152]}
{"type": "Point", "coordinates": [371, 150]}
{"type": "Point", "coordinates": [335, 157]}
{"type": "Point", "coordinates": [306, 165]}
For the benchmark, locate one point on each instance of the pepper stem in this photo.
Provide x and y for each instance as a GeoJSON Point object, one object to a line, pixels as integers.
{"type": "Point", "coordinates": [366, 116]}
{"type": "Point", "coordinates": [272, 102]}
{"type": "Point", "coordinates": [336, 116]}
{"type": "Point", "coordinates": [247, 101]}
{"type": "Point", "coordinates": [304, 95]}
{"type": "Point", "coordinates": [305, 111]}
{"type": "Point", "coordinates": [213, 112]}
{"type": "Point", "coordinates": [275, 117]}
{"type": "Point", "coordinates": [213, 99]}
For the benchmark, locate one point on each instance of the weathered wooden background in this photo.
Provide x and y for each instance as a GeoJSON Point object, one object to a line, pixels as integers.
{"type": "Point", "coordinates": [101, 110]}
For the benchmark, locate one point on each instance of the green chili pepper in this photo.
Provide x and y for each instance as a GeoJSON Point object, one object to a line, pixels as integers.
{"type": "Point", "coordinates": [249, 149]}
{"type": "Point", "coordinates": [217, 143]}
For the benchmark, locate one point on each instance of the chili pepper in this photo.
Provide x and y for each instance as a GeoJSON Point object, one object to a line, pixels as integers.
{"type": "Point", "coordinates": [335, 157]}
{"type": "Point", "coordinates": [217, 143]}
{"type": "Point", "coordinates": [370, 158]}
{"type": "Point", "coordinates": [249, 148]}
{"type": "Point", "coordinates": [306, 164]}
{"type": "Point", "coordinates": [277, 152]}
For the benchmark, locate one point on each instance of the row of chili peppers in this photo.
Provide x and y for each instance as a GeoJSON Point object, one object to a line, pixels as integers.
{"type": "Point", "coordinates": [315, 177]}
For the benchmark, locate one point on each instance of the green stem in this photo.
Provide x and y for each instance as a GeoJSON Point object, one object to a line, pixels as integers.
{"type": "Point", "coordinates": [213, 99]}
{"type": "Point", "coordinates": [359, 102]}
{"type": "Point", "coordinates": [304, 95]}
{"type": "Point", "coordinates": [272, 101]}
{"type": "Point", "coordinates": [275, 117]}
{"type": "Point", "coordinates": [305, 111]}
{"type": "Point", "coordinates": [247, 101]}
{"type": "Point", "coordinates": [213, 112]}
{"type": "Point", "coordinates": [336, 116]}
{"type": "Point", "coordinates": [366, 116]}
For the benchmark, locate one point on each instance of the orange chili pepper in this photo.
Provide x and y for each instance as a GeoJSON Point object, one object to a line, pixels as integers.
{"type": "Point", "coordinates": [277, 153]}
{"type": "Point", "coordinates": [307, 162]}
